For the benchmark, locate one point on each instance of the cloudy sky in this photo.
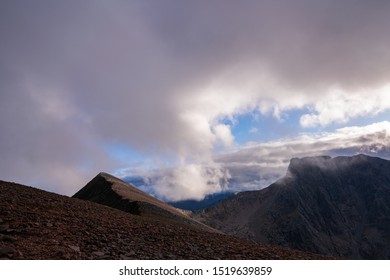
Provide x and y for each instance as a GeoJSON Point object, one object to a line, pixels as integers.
{"type": "Point", "coordinates": [196, 97]}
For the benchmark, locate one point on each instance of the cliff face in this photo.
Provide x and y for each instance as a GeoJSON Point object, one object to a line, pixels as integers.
{"type": "Point", "coordinates": [333, 206]}
{"type": "Point", "coordinates": [110, 191]}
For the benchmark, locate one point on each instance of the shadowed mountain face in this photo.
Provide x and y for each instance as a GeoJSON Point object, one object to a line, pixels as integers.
{"type": "Point", "coordinates": [333, 206]}
{"type": "Point", "coordinates": [108, 190]}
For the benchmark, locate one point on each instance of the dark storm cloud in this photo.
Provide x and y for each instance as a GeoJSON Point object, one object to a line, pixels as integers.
{"type": "Point", "coordinates": [159, 75]}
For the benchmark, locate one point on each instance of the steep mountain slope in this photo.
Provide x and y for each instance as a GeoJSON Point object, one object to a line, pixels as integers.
{"type": "Point", "coordinates": [111, 191]}
{"type": "Point", "coordinates": [35, 224]}
{"type": "Point", "coordinates": [333, 206]}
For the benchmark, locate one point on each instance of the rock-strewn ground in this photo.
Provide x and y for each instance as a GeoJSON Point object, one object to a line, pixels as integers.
{"type": "Point", "coordinates": [35, 224]}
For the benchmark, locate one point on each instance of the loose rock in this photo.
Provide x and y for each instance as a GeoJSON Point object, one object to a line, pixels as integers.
{"type": "Point", "coordinates": [74, 248]}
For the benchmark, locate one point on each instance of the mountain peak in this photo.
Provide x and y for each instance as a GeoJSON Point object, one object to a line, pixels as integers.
{"type": "Point", "coordinates": [334, 206]}
{"type": "Point", "coordinates": [302, 165]}
{"type": "Point", "coordinates": [111, 191]}
{"type": "Point", "coordinates": [316, 160]}
{"type": "Point", "coordinates": [326, 163]}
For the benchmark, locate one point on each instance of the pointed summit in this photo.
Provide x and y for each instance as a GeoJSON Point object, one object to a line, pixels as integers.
{"type": "Point", "coordinates": [110, 191]}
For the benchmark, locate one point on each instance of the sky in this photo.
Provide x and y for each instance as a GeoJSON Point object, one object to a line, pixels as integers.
{"type": "Point", "coordinates": [194, 97]}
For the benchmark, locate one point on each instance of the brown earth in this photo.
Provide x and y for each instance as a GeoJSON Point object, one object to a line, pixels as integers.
{"type": "Point", "coordinates": [35, 224]}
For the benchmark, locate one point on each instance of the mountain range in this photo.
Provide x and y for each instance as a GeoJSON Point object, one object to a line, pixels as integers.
{"type": "Point", "coordinates": [35, 224]}
{"type": "Point", "coordinates": [322, 208]}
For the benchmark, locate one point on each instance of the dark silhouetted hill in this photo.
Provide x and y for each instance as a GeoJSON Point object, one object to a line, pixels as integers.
{"type": "Point", "coordinates": [111, 191]}
{"type": "Point", "coordinates": [333, 206]}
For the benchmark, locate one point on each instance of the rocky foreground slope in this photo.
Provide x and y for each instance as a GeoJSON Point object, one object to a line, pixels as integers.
{"type": "Point", "coordinates": [332, 206]}
{"type": "Point", "coordinates": [35, 224]}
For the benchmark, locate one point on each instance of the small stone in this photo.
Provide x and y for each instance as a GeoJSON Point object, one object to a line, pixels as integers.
{"type": "Point", "coordinates": [74, 248]}
{"type": "Point", "coordinates": [131, 253]}
{"type": "Point", "coordinates": [54, 241]}
{"type": "Point", "coordinates": [98, 253]}
{"type": "Point", "coordinates": [20, 254]}
{"type": "Point", "coordinates": [124, 257]}
{"type": "Point", "coordinates": [49, 224]}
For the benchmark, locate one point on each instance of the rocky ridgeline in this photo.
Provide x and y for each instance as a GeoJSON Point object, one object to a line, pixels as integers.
{"type": "Point", "coordinates": [110, 191]}
{"type": "Point", "coordinates": [40, 225]}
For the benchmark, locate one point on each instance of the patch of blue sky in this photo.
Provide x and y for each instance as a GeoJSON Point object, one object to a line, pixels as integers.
{"type": "Point", "coordinates": [131, 162]}
{"type": "Point", "coordinates": [257, 127]}
{"type": "Point", "coordinates": [123, 152]}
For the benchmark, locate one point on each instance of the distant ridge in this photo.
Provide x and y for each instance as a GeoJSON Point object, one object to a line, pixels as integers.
{"type": "Point", "coordinates": [195, 205]}
{"type": "Point", "coordinates": [111, 191]}
{"type": "Point", "coordinates": [333, 206]}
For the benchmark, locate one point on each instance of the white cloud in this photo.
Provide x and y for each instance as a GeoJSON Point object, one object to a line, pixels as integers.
{"type": "Point", "coordinates": [258, 165]}
{"type": "Point", "coordinates": [339, 106]}
{"type": "Point", "coordinates": [224, 134]}
{"type": "Point", "coordinates": [190, 181]}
